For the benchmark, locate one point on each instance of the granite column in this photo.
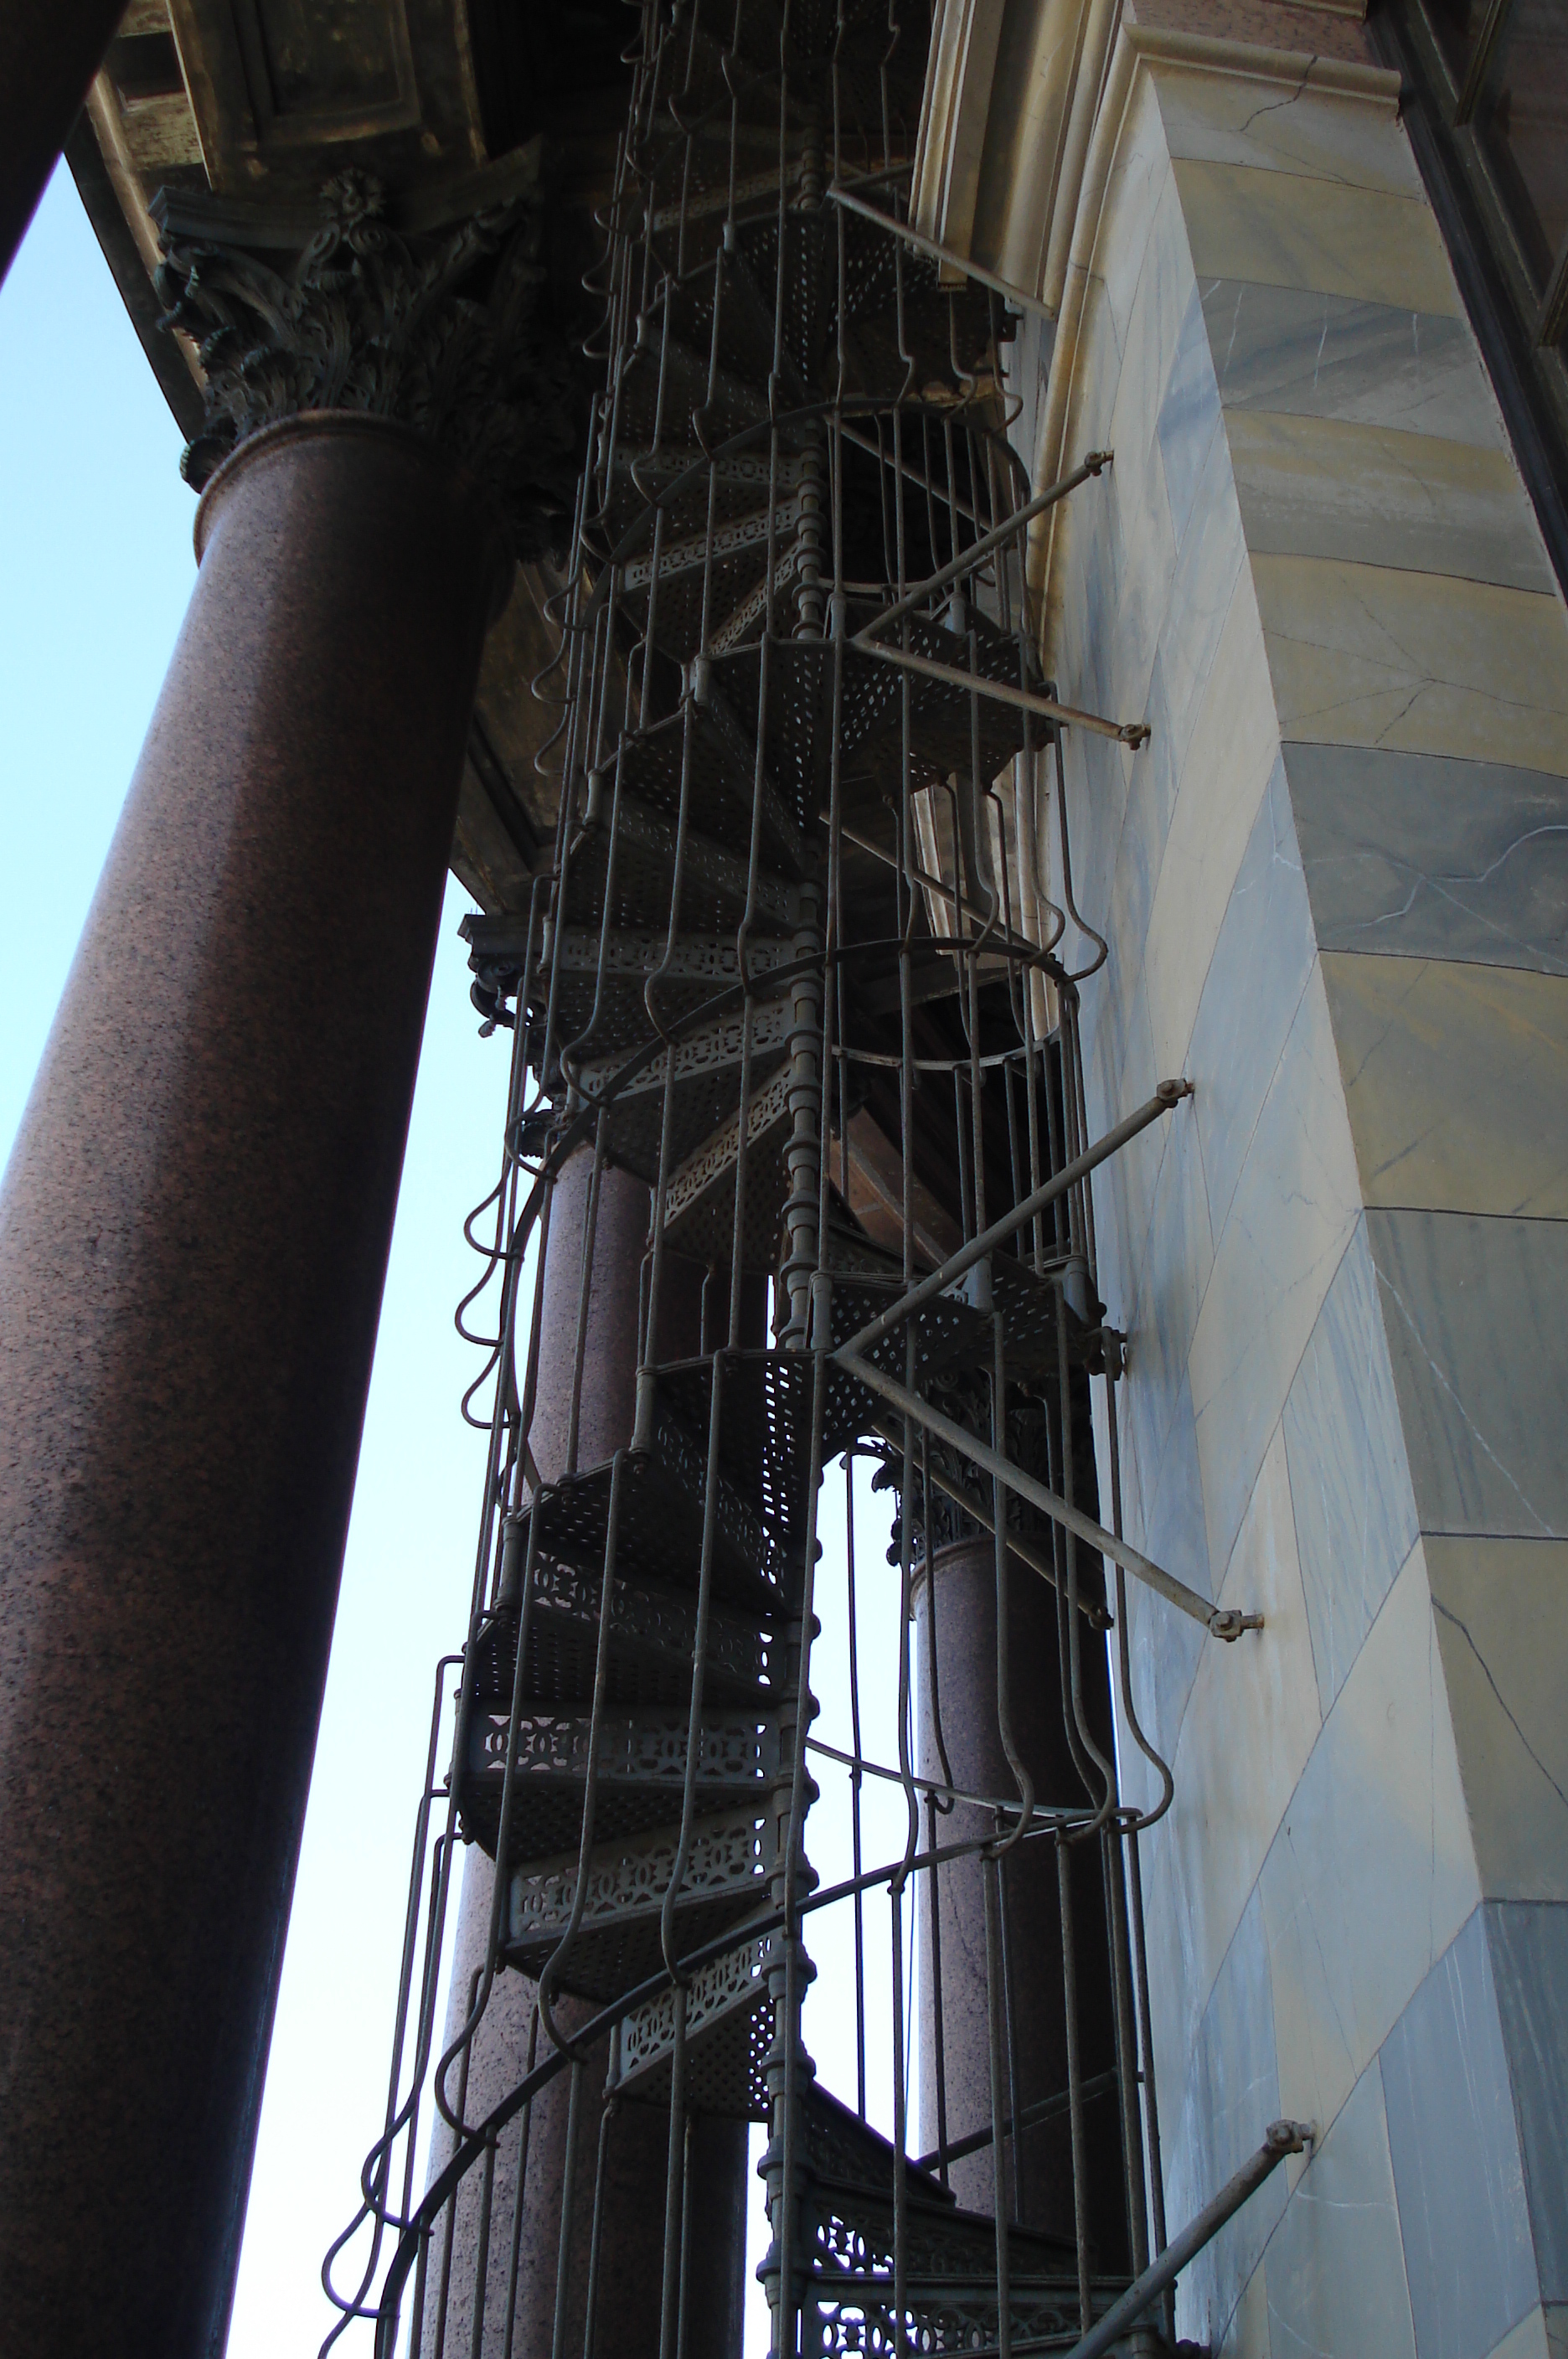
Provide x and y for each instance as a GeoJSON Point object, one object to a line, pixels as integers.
{"type": "Point", "coordinates": [958, 1724]}
{"type": "Point", "coordinates": [193, 1237]}
{"type": "Point", "coordinates": [627, 2293]}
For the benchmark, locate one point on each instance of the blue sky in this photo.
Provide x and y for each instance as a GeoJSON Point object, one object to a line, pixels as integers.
{"type": "Point", "coordinates": [95, 571]}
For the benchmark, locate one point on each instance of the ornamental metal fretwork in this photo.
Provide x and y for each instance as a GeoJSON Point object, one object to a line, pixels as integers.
{"type": "Point", "coordinates": [794, 965]}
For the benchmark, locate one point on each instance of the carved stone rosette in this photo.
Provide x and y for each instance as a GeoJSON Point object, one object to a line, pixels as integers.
{"type": "Point", "coordinates": [447, 333]}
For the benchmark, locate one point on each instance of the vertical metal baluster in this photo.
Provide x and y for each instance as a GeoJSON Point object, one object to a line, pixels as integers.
{"type": "Point", "coordinates": [591, 2305]}
{"type": "Point", "coordinates": [1074, 2080]}
{"type": "Point", "coordinates": [855, 1785]}
{"type": "Point", "coordinates": [481, 2251]}
{"type": "Point", "coordinates": [520, 2197]}
{"type": "Point", "coordinates": [577, 2069]}
{"type": "Point", "coordinates": [1000, 2142]}
{"type": "Point", "coordinates": [674, 2187]}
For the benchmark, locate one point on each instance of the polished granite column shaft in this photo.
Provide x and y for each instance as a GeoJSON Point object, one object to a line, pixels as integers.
{"type": "Point", "coordinates": [963, 1647]}
{"type": "Point", "coordinates": [49, 55]}
{"type": "Point", "coordinates": [627, 2294]}
{"type": "Point", "coordinates": [193, 1236]}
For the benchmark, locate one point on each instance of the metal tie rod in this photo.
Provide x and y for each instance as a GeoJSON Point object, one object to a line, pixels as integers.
{"type": "Point", "coordinates": [928, 246]}
{"type": "Point", "coordinates": [1279, 2139]}
{"type": "Point", "coordinates": [1001, 691]}
{"type": "Point", "coordinates": [1166, 1096]}
{"type": "Point", "coordinates": [1221, 1622]}
{"type": "Point", "coordinates": [977, 551]}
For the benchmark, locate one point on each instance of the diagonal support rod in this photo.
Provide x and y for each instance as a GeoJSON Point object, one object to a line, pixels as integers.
{"type": "Point", "coordinates": [977, 551]}
{"type": "Point", "coordinates": [928, 246]}
{"type": "Point", "coordinates": [1167, 1094]}
{"type": "Point", "coordinates": [1221, 1622]}
{"type": "Point", "coordinates": [1001, 691]}
{"type": "Point", "coordinates": [1279, 2139]}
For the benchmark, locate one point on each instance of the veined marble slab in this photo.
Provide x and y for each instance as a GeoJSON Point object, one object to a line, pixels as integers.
{"type": "Point", "coordinates": [1372, 1872]}
{"type": "Point", "coordinates": [1261, 961]}
{"type": "Point", "coordinates": [1295, 1207]}
{"type": "Point", "coordinates": [1383, 495]}
{"type": "Point", "coordinates": [1336, 2265]}
{"type": "Point", "coordinates": [1456, 2159]}
{"type": "Point", "coordinates": [1285, 229]}
{"type": "Point", "coordinates": [1350, 1483]}
{"type": "Point", "coordinates": [1472, 1310]}
{"type": "Point", "coordinates": [1528, 1942]}
{"type": "Point", "coordinates": [1231, 119]}
{"type": "Point", "coordinates": [1423, 856]}
{"type": "Point", "coordinates": [1297, 350]}
{"type": "Point", "coordinates": [1501, 1609]}
{"type": "Point", "coordinates": [1366, 655]}
{"type": "Point", "coordinates": [1455, 1081]}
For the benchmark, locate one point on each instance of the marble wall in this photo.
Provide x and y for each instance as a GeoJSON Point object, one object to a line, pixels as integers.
{"type": "Point", "coordinates": [1334, 886]}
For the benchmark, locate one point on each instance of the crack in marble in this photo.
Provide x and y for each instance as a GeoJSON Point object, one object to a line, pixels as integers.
{"type": "Point", "coordinates": [1275, 104]}
{"type": "Point", "coordinates": [1547, 1531]}
{"type": "Point", "coordinates": [1468, 1636]}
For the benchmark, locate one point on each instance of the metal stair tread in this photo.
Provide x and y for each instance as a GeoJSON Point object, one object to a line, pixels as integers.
{"type": "Point", "coordinates": [618, 1942]}
{"type": "Point", "coordinates": [648, 1663]}
{"type": "Point", "coordinates": [660, 1534]}
{"type": "Point", "coordinates": [639, 1778]}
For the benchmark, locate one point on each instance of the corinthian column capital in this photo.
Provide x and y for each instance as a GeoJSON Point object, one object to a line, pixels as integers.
{"type": "Point", "coordinates": [445, 332]}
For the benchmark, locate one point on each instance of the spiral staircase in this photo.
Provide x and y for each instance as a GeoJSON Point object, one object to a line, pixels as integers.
{"type": "Point", "coordinates": [772, 969]}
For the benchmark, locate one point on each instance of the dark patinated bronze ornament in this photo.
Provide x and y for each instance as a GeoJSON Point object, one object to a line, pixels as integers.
{"type": "Point", "coordinates": [447, 331]}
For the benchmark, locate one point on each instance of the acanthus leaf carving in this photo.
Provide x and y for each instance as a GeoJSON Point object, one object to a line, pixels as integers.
{"type": "Point", "coordinates": [448, 332]}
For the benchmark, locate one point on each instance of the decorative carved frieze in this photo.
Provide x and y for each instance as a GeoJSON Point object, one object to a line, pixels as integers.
{"type": "Point", "coordinates": [447, 331]}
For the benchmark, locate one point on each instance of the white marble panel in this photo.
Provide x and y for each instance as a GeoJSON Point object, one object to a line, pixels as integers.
{"type": "Point", "coordinates": [1262, 960]}
{"type": "Point", "coordinates": [1189, 413]}
{"type": "Point", "coordinates": [1177, 1260]}
{"type": "Point", "coordinates": [1135, 486]}
{"type": "Point", "coordinates": [1224, 118]}
{"type": "Point", "coordinates": [1234, 746]}
{"type": "Point", "coordinates": [1527, 1944]}
{"type": "Point", "coordinates": [1086, 643]}
{"type": "Point", "coordinates": [1295, 351]}
{"type": "Point", "coordinates": [1350, 1483]}
{"type": "Point", "coordinates": [1472, 1310]}
{"type": "Point", "coordinates": [1139, 855]}
{"type": "Point", "coordinates": [1457, 2166]}
{"type": "Point", "coordinates": [1527, 2339]}
{"type": "Point", "coordinates": [1367, 655]}
{"type": "Point", "coordinates": [1286, 228]}
{"type": "Point", "coordinates": [1248, 2336]}
{"type": "Point", "coordinates": [1291, 1217]}
{"type": "Point", "coordinates": [1232, 2096]}
{"type": "Point", "coordinates": [1167, 1646]}
{"type": "Point", "coordinates": [1336, 2265]}
{"type": "Point", "coordinates": [1371, 1874]}
{"type": "Point", "coordinates": [1501, 1608]}
{"type": "Point", "coordinates": [1138, 180]}
{"type": "Point", "coordinates": [1250, 1724]}
{"type": "Point", "coordinates": [1201, 590]}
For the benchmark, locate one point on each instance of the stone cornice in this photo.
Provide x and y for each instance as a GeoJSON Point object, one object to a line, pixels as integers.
{"type": "Point", "coordinates": [1246, 62]}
